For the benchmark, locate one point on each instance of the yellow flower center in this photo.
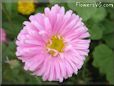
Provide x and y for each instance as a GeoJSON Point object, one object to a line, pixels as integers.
{"type": "Point", "coordinates": [55, 45]}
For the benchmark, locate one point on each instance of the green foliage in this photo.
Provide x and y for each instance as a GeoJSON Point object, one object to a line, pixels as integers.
{"type": "Point", "coordinates": [12, 24]}
{"type": "Point", "coordinates": [99, 15]}
{"type": "Point", "coordinates": [109, 39]}
{"type": "Point", "coordinates": [96, 32]}
{"type": "Point", "coordinates": [109, 26]}
{"type": "Point", "coordinates": [41, 9]}
{"type": "Point", "coordinates": [110, 12]}
{"type": "Point", "coordinates": [18, 76]}
{"type": "Point", "coordinates": [8, 50]}
{"type": "Point", "coordinates": [104, 59]}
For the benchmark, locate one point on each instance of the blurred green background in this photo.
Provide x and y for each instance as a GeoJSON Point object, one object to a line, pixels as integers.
{"type": "Point", "coordinates": [99, 65]}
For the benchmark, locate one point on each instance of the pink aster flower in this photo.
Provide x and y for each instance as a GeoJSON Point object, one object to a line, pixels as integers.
{"type": "Point", "coordinates": [2, 35]}
{"type": "Point", "coordinates": [52, 44]}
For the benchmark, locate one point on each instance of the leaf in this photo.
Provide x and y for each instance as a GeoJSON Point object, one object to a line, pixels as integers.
{"type": "Point", "coordinates": [109, 26]}
{"type": "Point", "coordinates": [8, 51]}
{"type": "Point", "coordinates": [96, 32]}
{"type": "Point", "coordinates": [104, 60]}
{"type": "Point", "coordinates": [99, 15]}
{"type": "Point", "coordinates": [10, 7]}
{"type": "Point", "coordinates": [84, 12]}
{"type": "Point", "coordinates": [109, 39]}
{"type": "Point", "coordinates": [111, 12]}
{"type": "Point", "coordinates": [13, 26]}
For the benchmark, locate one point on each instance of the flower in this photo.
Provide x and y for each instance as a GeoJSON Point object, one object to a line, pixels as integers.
{"type": "Point", "coordinates": [26, 7]}
{"type": "Point", "coordinates": [2, 36]}
{"type": "Point", "coordinates": [53, 44]}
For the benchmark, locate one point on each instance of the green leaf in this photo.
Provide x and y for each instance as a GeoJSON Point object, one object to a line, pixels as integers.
{"type": "Point", "coordinates": [109, 26]}
{"type": "Point", "coordinates": [99, 15]}
{"type": "Point", "coordinates": [104, 60]}
{"type": "Point", "coordinates": [12, 26]}
{"type": "Point", "coordinates": [109, 39]}
{"type": "Point", "coordinates": [8, 51]}
{"type": "Point", "coordinates": [111, 12]}
{"type": "Point", "coordinates": [85, 12]}
{"type": "Point", "coordinates": [96, 32]}
{"type": "Point", "coordinates": [10, 7]}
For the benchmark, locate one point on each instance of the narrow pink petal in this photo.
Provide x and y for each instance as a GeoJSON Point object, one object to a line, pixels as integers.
{"type": "Point", "coordinates": [46, 74]}
{"type": "Point", "coordinates": [57, 72]}
{"type": "Point", "coordinates": [65, 20]}
{"type": "Point", "coordinates": [43, 68]}
{"type": "Point", "coordinates": [34, 63]}
{"type": "Point", "coordinates": [52, 72]}
{"type": "Point", "coordinates": [85, 35]}
{"type": "Point", "coordinates": [55, 8]}
{"type": "Point", "coordinates": [48, 26]}
{"type": "Point", "coordinates": [57, 24]}
{"type": "Point", "coordinates": [62, 11]}
{"type": "Point", "coordinates": [47, 11]}
{"type": "Point", "coordinates": [72, 65]}
{"type": "Point", "coordinates": [69, 69]}
{"type": "Point", "coordinates": [62, 69]}
{"type": "Point", "coordinates": [83, 52]}
{"type": "Point", "coordinates": [81, 46]}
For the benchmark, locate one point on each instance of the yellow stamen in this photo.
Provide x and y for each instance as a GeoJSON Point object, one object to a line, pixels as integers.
{"type": "Point", "coordinates": [55, 45]}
